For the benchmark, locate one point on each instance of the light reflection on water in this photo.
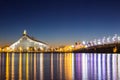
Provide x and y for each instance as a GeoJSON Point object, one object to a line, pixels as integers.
{"type": "Point", "coordinates": [20, 66]}
{"type": "Point", "coordinates": [12, 68]}
{"type": "Point", "coordinates": [59, 66]}
{"type": "Point", "coordinates": [41, 67]}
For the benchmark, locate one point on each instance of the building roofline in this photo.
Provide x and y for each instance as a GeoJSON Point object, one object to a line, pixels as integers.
{"type": "Point", "coordinates": [35, 39]}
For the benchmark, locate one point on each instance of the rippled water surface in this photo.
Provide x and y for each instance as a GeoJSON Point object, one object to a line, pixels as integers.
{"type": "Point", "coordinates": [59, 66]}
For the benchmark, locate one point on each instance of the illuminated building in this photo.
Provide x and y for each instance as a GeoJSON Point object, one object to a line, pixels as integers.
{"type": "Point", "coordinates": [27, 43]}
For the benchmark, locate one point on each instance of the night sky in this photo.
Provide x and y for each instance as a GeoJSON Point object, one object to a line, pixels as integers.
{"type": "Point", "coordinates": [59, 22]}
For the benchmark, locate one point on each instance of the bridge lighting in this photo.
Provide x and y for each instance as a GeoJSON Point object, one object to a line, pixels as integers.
{"type": "Point", "coordinates": [3, 50]}
{"type": "Point", "coordinates": [27, 48]}
{"type": "Point", "coordinates": [72, 46]}
{"type": "Point", "coordinates": [114, 37]}
{"type": "Point", "coordinates": [108, 39]}
{"type": "Point", "coordinates": [88, 45]}
{"type": "Point", "coordinates": [8, 48]}
{"type": "Point", "coordinates": [35, 49]}
{"type": "Point", "coordinates": [95, 42]}
{"type": "Point", "coordinates": [103, 40]}
{"type": "Point", "coordinates": [20, 48]}
{"type": "Point", "coordinates": [83, 42]}
{"type": "Point", "coordinates": [99, 43]}
{"type": "Point", "coordinates": [118, 38]}
{"type": "Point", "coordinates": [13, 49]}
{"type": "Point", "coordinates": [0, 49]}
{"type": "Point", "coordinates": [91, 43]}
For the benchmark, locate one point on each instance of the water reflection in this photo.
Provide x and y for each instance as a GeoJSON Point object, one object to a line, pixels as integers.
{"type": "Point", "coordinates": [51, 65]}
{"type": "Point", "coordinates": [78, 67]}
{"type": "Point", "coordinates": [31, 66]}
{"type": "Point", "coordinates": [109, 67]}
{"type": "Point", "coordinates": [104, 67]}
{"type": "Point", "coordinates": [27, 67]}
{"type": "Point", "coordinates": [35, 66]}
{"type": "Point", "coordinates": [41, 67]}
{"type": "Point", "coordinates": [12, 67]}
{"type": "Point", "coordinates": [7, 66]}
{"type": "Point", "coordinates": [68, 66]}
{"type": "Point", "coordinates": [118, 67]}
{"type": "Point", "coordinates": [84, 67]}
{"type": "Point", "coordinates": [20, 66]}
{"type": "Point", "coordinates": [114, 67]}
{"type": "Point", "coordinates": [95, 67]}
{"type": "Point", "coordinates": [0, 67]}
{"type": "Point", "coordinates": [59, 66]}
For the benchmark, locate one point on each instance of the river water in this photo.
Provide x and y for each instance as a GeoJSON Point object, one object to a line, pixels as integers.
{"type": "Point", "coordinates": [59, 66]}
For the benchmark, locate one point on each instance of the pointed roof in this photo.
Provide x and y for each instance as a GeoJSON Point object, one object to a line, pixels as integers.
{"type": "Point", "coordinates": [25, 34]}
{"type": "Point", "coordinates": [35, 39]}
{"type": "Point", "coordinates": [28, 38]}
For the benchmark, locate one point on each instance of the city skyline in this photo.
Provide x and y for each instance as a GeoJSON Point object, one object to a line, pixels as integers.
{"type": "Point", "coordinates": [59, 22]}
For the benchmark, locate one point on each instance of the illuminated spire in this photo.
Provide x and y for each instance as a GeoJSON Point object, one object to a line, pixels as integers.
{"type": "Point", "coordinates": [25, 32]}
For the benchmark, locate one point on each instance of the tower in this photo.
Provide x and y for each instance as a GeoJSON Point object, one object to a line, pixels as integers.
{"type": "Point", "coordinates": [25, 32]}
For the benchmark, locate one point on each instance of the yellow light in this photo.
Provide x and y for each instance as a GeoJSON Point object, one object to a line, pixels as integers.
{"type": "Point", "coordinates": [68, 66]}
{"type": "Point", "coordinates": [0, 49]}
{"type": "Point", "coordinates": [41, 48]}
{"type": "Point", "coordinates": [7, 66]}
{"type": "Point", "coordinates": [27, 67]}
{"type": "Point", "coordinates": [8, 48]}
{"type": "Point", "coordinates": [35, 48]}
{"type": "Point", "coordinates": [13, 49]}
{"type": "Point", "coordinates": [12, 67]}
{"type": "Point", "coordinates": [25, 32]}
{"type": "Point", "coordinates": [20, 48]}
{"type": "Point", "coordinates": [3, 50]}
{"type": "Point", "coordinates": [27, 48]}
{"type": "Point", "coordinates": [20, 66]}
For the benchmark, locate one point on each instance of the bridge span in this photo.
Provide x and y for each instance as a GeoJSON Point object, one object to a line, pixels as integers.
{"type": "Point", "coordinates": [105, 48]}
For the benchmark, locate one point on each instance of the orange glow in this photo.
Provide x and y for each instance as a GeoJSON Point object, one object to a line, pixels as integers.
{"type": "Point", "coordinates": [35, 49]}
{"type": "Point", "coordinates": [61, 66]}
{"type": "Point", "coordinates": [27, 48]}
{"type": "Point", "coordinates": [20, 48]}
{"type": "Point", "coordinates": [35, 66]}
{"type": "Point", "coordinates": [7, 66]}
{"type": "Point", "coordinates": [0, 49]}
{"type": "Point", "coordinates": [68, 66]}
{"type": "Point", "coordinates": [20, 66]}
{"type": "Point", "coordinates": [12, 74]}
{"type": "Point", "coordinates": [27, 67]}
